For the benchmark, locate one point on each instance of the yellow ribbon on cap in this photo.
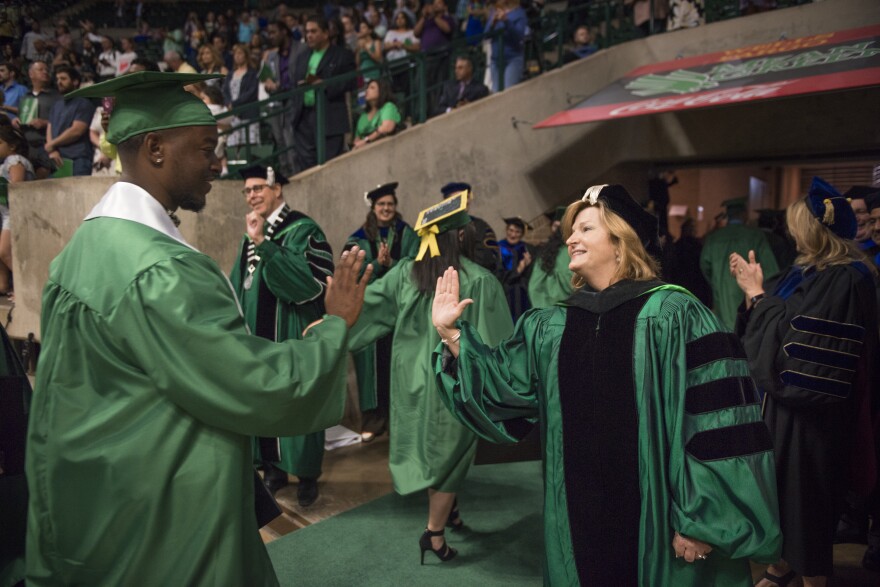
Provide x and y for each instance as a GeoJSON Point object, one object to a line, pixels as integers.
{"type": "Point", "coordinates": [828, 217]}
{"type": "Point", "coordinates": [428, 235]}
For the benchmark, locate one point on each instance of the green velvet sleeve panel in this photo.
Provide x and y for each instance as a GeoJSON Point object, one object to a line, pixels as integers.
{"type": "Point", "coordinates": [719, 461]}
{"type": "Point", "coordinates": [491, 389]}
{"type": "Point", "coordinates": [296, 268]}
{"type": "Point", "coordinates": [205, 362]}
{"type": "Point", "coordinates": [380, 310]}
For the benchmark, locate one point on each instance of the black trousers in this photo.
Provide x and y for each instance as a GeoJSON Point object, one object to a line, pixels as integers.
{"type": "Point", "coordinates": [305, 146]}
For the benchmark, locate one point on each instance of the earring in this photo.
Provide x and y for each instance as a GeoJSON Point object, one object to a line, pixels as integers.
{"type": "Point", "coordinates": [158, 161]}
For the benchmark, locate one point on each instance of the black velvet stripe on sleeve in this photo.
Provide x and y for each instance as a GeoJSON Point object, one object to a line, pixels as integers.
{"type": "Point", "coordinates": [724, 393]}
{"type": "Point", "coordinates": [713, 347]}
{"type": "Point", "coordinates": [822, 327]}
{"type": "Point", "coordinates": [733, 441]}
{"type": "Point", "coordinates": [817, 384]}
{"type": "Point", "coordinates": [822, 356]}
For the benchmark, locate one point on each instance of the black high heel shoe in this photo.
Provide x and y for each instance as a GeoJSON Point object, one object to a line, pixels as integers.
{"type": "Point", "coordinates": [454, 521]}
{"type": "Point", "coordinates": [444, 553]}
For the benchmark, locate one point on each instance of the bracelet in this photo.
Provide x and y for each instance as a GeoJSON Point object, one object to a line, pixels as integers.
{"type": "Point", "coordinates": [754, 300]}
{"type": "Point", "coordinates": [454, 338]}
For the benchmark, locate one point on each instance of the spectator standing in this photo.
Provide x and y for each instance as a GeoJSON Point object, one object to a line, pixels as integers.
{"type": "Point", "coordinates": [67, 134]}
{"type": "Point", "coordinates": [434, 30]}
{"type": "Point", "coordinates": [218, 41]}
{"type": "Point", "coordinates": [370, 52]}
{"type": "Point", "coordinates": [350, 31]}
{"type": "Point", "coordinates": [239, 89]}
{"type": "Point", "coordinates": [107, 60]}
{"type": "Point", "coordinates": [12, 90]}
{"type": "Point", "coordinates": [35, 118]}
{"type": "Point", "coordinates": [510, 18]}
{"type": "Point", "coordinates": [464, 89]}
{"type": "Point", "coordinates": [42, 52]}
{"type": "Point", "coordinates": [125, 57]}
{"type": "Point", "coordinates": [28, 42]}
{"type": "Point", "coordinates": [642, 15]}
{"type": "Point", "coordinates": [583, 45]}
{"type": "Point", "coordinates": [477, 13]}
{"type": "Point", "coordinates": [381, 117]}
{"type": "Point", "coordinates": [280, 61]}
{"type": "Point", "coordinates": [322, 61]}
{"type": "Point", "coordinates": [400, 42]}
{"type": "Point", "coordinates": [210, 61]}
{"type": "Point", "coordinates": [14, 168]}
{"type": "Point", "coordinates": [245, 29]}
{"type": "Point", "coordinates": [89, 57]}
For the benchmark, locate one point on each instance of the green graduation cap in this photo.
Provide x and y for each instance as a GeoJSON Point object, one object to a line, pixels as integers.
{"type": "Point", "coordinates": [735, 204]}
{"type": "Point", "coordinates": [449, 214]}
{"type": "Point", "coordinates": [148, 101]}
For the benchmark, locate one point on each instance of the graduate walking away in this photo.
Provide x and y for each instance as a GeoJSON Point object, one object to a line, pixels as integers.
{"type": "Point", "coordinates": [280, 277]}
{"type": "Point", "coordinates": [658, 468]}
{"type": "Point", "coordinates": [149, 385]}
{"type": "Point", "coordinates": [812, 347]}
{"type": "Point", "coordinates": [429, 448]}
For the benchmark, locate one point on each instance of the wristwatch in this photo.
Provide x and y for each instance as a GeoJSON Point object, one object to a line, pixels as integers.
{"type": "Point", "coordinates": [755, 299]}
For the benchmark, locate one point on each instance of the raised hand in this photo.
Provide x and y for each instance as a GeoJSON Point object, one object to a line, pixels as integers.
{"type": "Point", "coordinates": [384, 255]}
{"type": "Point", "coordinates": [255, 227]}
{"type": "Point", "coordinates": [345, 292]}
{"type": "Point", "coordinates": [447, 308]}
{"type": "Point", "coordinates": [748, 274]}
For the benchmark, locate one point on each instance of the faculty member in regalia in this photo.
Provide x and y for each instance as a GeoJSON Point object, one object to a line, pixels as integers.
{"type": "Point", "coordinates": [659, 470]}
{"type": "Point", "coordinates": [280, 277]}
{"type": "Point", "coordinates": [812, 347]}
{"type": "Point", "coordinates": [430, 450]}
{"type": "Point", "coordinates": [387, 239]}
{"type": "Point", "coordinates": [149, 385]}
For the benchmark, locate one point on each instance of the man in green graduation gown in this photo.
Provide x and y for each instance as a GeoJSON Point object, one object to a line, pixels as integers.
{"type": "Point", "coordinates": [714, 263]}
{"type": "Point", "coordinates": [280, 277]}
{"type": "Point", "coordinates": [149, 383]}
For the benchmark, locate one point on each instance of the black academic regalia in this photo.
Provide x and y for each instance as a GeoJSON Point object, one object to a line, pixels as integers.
{"type": "Point", "coordinates": [516, 285]}
{"type": "Point", "coordinates": [486, 253]}
{"type": "Point", "coordinates": [812, 349]}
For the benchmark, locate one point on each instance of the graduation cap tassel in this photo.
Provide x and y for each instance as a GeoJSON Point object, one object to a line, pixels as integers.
{"type": "Point", "coordinates": [428, 235]}
{"type": "Point", "coordinates": [828, 218]}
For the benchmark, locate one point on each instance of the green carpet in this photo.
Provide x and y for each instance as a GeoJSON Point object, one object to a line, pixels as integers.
{"type": "Point", "coordinates": [377, 543]}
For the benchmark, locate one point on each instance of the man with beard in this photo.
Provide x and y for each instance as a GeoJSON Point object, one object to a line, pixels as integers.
{"type": "Point", "coordinates": [34, 125]}
{"type": "Point", "coordinates": [280, 277]}
{"type": "Point", "coordinates": [67, 134]}
{"type": "Point", "coordinates": [150, 385]}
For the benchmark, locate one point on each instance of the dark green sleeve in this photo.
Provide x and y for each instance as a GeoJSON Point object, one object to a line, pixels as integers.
{"type": "Point", "coordinates": [296, 268]}
{"type": "Point", "coordinates": [720, 460]}
{"type": "Point", "coordinates": [494, 391]}
{"type": "Point", "coordinates": [379, 314]}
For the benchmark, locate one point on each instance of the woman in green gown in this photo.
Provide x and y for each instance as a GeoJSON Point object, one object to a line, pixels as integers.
{"type": "Point", "coordinates": [658, 469]}
{"type": "Point", "coordinates": [550, 282]}
{"type": "Point", "coordinates": [387, 239]}
{"type": "Point", "coordinates": [429, 448]}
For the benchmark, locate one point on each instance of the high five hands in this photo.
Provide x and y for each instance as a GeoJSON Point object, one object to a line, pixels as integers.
{"type": "Point", "coordinates": [345, 292]}
{"type": "Point", "coordinates": [447, 308]}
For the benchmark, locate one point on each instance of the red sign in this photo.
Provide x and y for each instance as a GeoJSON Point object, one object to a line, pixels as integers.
{"type": "Point", "coordinates": [808, 65]}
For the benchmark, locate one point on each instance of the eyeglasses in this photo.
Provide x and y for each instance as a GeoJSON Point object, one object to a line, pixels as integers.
{"type": "Point", "coordinates": [257, 189]}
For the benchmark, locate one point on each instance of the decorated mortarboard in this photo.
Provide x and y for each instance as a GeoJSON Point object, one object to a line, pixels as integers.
{"type": "Point", "coordinates": [618, 200]}
{"type": "Point", "coordinates": [148, 101]}
{"type": "Point", "coordinates": [872, 201]}
{"type": "Point", "coordinates": [386, 189]}
{"type": "Point", "coordinates": [735, 204]}
{"type": "Point", "coordinates": [449, 214]}
{"type": "Point", "coordinates": [860, 192]}
{"type": "Point", "coordinates": [831, 209]}
{"type": "Point", "coordinates": [453, 187]}
{"type": "Point", "coordinates": [267, 173]}
{"type": "Point", "coordinates": [517, 221]}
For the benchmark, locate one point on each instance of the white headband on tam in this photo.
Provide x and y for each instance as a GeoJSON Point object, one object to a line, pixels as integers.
{"type": "Point", "coordinates": [592, 194]}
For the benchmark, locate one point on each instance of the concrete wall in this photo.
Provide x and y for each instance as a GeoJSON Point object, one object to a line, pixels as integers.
{"type": "Point", "coordinates": [515, 170]}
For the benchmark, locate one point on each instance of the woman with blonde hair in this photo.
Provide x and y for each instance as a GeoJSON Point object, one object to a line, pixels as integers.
{"type": "Point", "coordinates": [812, 348]}
{"type": "Point", "coordinates": [658, 469]}
{"type": "Point", "coordinates": [241, 87]}
{"type": "Point", "coordinates": [210, 61]}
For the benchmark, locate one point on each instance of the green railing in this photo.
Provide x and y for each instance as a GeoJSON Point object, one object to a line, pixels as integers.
{"type": "Point", "coordinates": [610, 21]}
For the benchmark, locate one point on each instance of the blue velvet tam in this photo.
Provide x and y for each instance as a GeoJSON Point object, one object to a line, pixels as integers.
{"type": "Point", "coordinates": [831, 209]}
